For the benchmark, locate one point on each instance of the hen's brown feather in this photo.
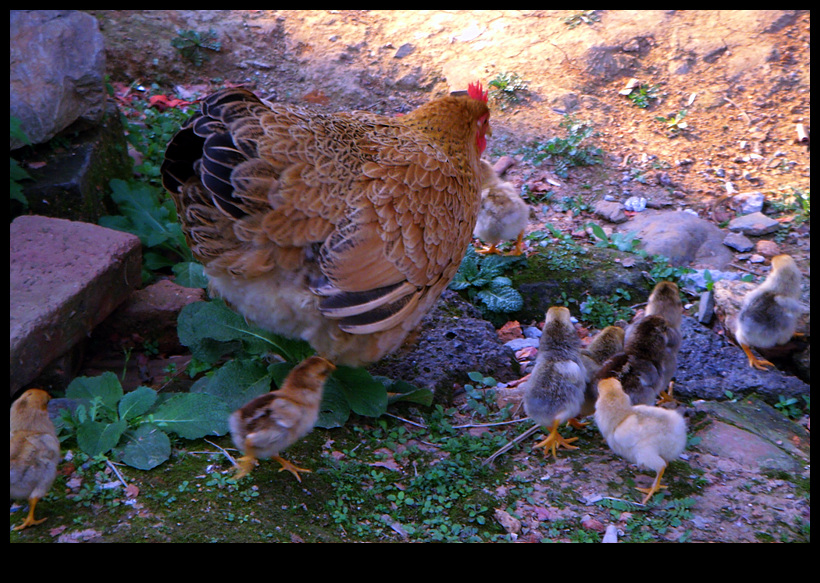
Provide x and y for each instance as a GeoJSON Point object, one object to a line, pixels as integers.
{"type": "Point", "coordinates": [340, 229]}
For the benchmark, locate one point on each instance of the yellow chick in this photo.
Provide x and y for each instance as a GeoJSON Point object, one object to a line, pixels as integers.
{"type": "Point", "coordinates": [643, 434]}
{"type": "Point", "coordinates": [34, 451]}
{"type": "Point", "coordinates": [640, 368]}
{"type": "Point", "coordinates": [269, 423]}
{"type": "Point", "coordinates": [769, 313]}
{"type": "Point", "coordinates": [664, 301]}
{"type": "Point", "coordinates": [503, 214]}
{"type": "Point", "coordinates": [555, 390]}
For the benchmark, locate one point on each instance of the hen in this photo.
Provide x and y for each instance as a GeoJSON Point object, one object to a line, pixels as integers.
{"type": "Point", "coordinates": [769, 314]}
{"type": "Point", "coordinates": [33, 451]}
{"type": "Point", "coordinates": [269, 423]}
{"type": "Point", "coordinates": [340, 229]}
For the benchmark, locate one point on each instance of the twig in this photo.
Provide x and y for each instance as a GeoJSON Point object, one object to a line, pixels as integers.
{"type": "Point", "coordinates": [117, 472]}
{"type": "Point", "coordinates": [223, 450]}
{"type": "Point", "coordinates": [403, 420]}
{"type": "Point", "coordinates": [743, 113]}
{"type": "Point", "coordinates": [473, 425]}
{"type": "Point", "coordinates": [510, 445]}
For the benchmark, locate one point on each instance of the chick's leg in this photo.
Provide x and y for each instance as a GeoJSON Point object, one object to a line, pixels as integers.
{"type": "Point", "coordinates": [666, 396]}
{"type": "Point", "coordinates": [491, 250]}
{"type": "Point", "coordinates": [554, 440]}
{"type": "Point", "coordinates": [519, 245]}
{"type": "Point", "coordinates": [656, 485]}
{"type": "Point", "coordinates": [29, 521]}
{"type": "Point", "coordinates": [758, 363]}
{"type": "Point", "coordinates": [246, 463]}
{"type": "Point", "coordinates": [293, 469]}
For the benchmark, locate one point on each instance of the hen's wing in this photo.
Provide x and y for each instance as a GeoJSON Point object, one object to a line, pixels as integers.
{"type": "Point", "coordinates": [377, 206]}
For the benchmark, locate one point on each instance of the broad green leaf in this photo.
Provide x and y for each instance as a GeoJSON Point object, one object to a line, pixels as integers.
{"type": "Point", "coordinates": [144, 448]}
{"type": "Point", "coordinates": [96, 438]}
{"type": "Point", "coordinates": [398, 390]}
{"type": "Point", "coordinates": [236, 382]}
{"type": "Point", "coordinates": [106, 386]}
{"type": "Point", "coordinates": [193, 415]}
{"type": "Point", "coordinates": [190, 274]}
{"type": "Point", "coordinates": [334, 409]}
{"type": "Point", "coordinates": [500, 296]}
{"type": "Point", "coordinates": [137, 402]}
{"type": "Point", "coordinates": [365, 395]}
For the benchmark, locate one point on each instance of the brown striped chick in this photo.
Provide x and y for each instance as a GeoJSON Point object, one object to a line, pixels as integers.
{"type": "Point", "coordinates": [607, 343]}
{"type": "Point", "coordinates": [664, 301]}
{"type": "Point", "coordinates": [640, 366]}
{"type": "Point", "coordinates": [34, 451]}
{"type": "Point", "coordinates": [555, 390]}
{"type": "Point", "coordinates": [643, 434]}
{"type": "Point", "coordinates": [503, 215]}
{"type": "Point", "coordinates": [769, 313]}
{"type": "Point", "coordinates": [269, 423]}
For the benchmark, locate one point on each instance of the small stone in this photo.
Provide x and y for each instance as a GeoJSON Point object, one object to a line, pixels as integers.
{"type": "Point", "coordinates": [738, 242]}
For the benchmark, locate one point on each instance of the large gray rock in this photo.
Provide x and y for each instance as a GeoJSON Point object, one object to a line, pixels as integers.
{"type": "Point", "coordinates": [685, 239]}
{"type": "Point", "coordinates": [64, 278]}
{"type": "Point", "coordinates": [56, 71]}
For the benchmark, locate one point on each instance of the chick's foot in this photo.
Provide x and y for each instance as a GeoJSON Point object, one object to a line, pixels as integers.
{"type": "Point", "coordinates": [293, 469]}
{"type": "Point", "coordinates": [29, 521]}
{"type": "Point", "coordinates": [555, 440]}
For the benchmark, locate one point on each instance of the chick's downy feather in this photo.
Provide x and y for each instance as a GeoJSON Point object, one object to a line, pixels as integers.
{"type": "Point", "coordinates": [268, 424]}
{"type": "Point", "coordinates": [503, 214]}
{"type": "Point", "coordinates": [640, 366]}
{"type": "Point", "coordinates": [340, 229]}
{"type": "Point", "coordinates": [643, 434]}
{"type": "Point", "coordinates": [554, 392]}
{"type": "Point", "coordinates": [34, 451]}
{"type": "Point", "coordinates": [768, 315]}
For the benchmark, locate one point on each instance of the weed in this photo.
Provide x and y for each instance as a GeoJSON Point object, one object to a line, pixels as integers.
{"type": "Point", "coordinates": [16, 172]}
{"type": "Point", "coordinates": [601, 312]}
{"type": "Point", "coordinates": [583, 17]}
{"type": "Point", "coordinates": [132, 428]}
{"type": "Point", "coordinates": [480, 277]}
{"type": "Point", "coordinates": [674, 123]}
{"type": "Point", "coordinates": [505, 89]}
{"type": "Point", "coordinates": [568, 151]}
{"type": "Point", "coordinates": [194, 45]}
{"type": "Point", "coordinates": [790, 406]}
{"type": "Point", "coordinates": [643, 95]}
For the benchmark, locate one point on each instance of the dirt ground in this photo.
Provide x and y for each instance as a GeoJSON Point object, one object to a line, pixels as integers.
{"type": "Point", "coordinates": [742, 77]}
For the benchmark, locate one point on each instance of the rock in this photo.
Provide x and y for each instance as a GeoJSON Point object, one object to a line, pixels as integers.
{"type": "Point", "coordinates": [767, 248]}
{"type": "Point", "coordinates": [738, 242]}
{"type": "Point", "coordinates": [754, 224]}
{"type": "Point", "coordinates": [151, 314]}
{"type": "Point", "coordinates": [451, 341]}
{"type": "Point", "coordinates": [64, 278]}
{"type": "Point", "coordinates": [749, 202]}
{"type": "Point", "coordinates": [404, 50]}
{"type": "Point", "coordinates": [683, 238]}
{"type": "Point", "coordinates": [709, 366]}
{"type": "Point", "coordinates": [610, 211]}
{"type": "Point", "coordinates": [73, 181]}
{"type": "Point", "coordinates": [56, 71]}
{"type": "Point", "coordinates": [706, 307]}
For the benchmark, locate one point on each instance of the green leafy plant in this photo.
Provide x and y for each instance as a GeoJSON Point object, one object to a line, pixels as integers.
{"type": "Point", "coordinates": [213, 331]}
{"type": "Point", "coordinates": [674, 123]}
{"type": "Point", "coordinates": [194, 45]}
{"type": "Point", "coordinates": [643, 95]}
{"type": "Point", "coordinates": [601, 312]}
{"type": "Point", "coordinates": [151, 216]}
{"type": "Point", "coordinates": [568, 151]}
{"type": "Point", "coordinates": [583, 17]}
{"type": "Point", "coordinates": [790, 406]}
{"type": "Point", "coordinates": [481, 277]}
{"type": "Point", "coordinates": [620, 241]}
{"type": "Point", "coordinates": [505, 89]}
{"type": "Point", "coordinates": [133, 427]}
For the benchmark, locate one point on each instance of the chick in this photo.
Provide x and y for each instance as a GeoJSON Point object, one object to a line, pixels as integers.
{"type": "Point", "coordinates": [769, 313]}
{"type": "Point", "coordinates": [664, 301]}
{"type": "Point", "coordinates": [645, 435]}
{"type": "Point", "coordinates": [605, 344]}
{"type": "Point", "coordinates": [503, 214]}
{"type": "Point", "coordinates": [555, 391]}
{"type": "Point", "coordinates": [33, 451]}
{"type": "Point", "coordinates": [269, 423]}
{"type": "Point", "coordinates": [640, 367]}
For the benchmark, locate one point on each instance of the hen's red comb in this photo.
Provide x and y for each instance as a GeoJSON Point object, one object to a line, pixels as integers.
{"type": "Point", "coordinates": [475, 91]}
